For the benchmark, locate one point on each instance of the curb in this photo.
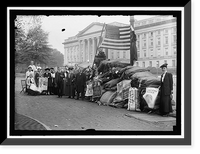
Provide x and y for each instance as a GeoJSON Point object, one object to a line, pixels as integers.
{"type": "Point", "coordinates": [47, 128]}
{"type": "Point", "coordinates": [32, 119]}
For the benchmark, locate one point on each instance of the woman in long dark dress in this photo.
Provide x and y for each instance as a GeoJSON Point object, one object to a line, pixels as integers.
{"type": "Point", "coordinates": [59, 82]}
{"type": "Point", "coordinates": [166, 91]}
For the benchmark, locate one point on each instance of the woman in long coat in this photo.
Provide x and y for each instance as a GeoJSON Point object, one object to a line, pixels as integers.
{"type": "Point", "coordinates": [166, 91]}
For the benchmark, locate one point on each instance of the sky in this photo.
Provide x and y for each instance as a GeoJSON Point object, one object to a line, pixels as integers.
{"type": "Point", "coordinates": [73, 24]}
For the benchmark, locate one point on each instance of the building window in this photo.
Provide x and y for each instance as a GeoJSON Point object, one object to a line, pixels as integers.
{"type": "Point", "coordinates": [166, 51]}
{"type": "Point", "coordinates": [117, 54]}
{"type": "Point", "coordinates": [143, 64]}
{"type": "Point", "coordinates": [151, 34]}
{"type": "Point", "coordinates": [145, 54]}
{"type": "Point", "coordinates": [158, 32]}
{"type": "Point", "coordinates": [138, 54]}
{"type": "Point", "coordinates": [174, 39]}
{"type": "Point", "coordinates": [166, 40]}
{"type": "Point", "coordinates": [158, 52]}
{"type": "Point", "coordinates": [112, 55]}
{"type": "Point", "coordinates": [173, 63]}
{"type": "Point", "coordinates": [150, 63]}
{"type": "Point", "coordinates": [151, 52]}
{"type": "Point", "coordinates": [158, 64]}
{"type": "Point", "coordinates": [174, 49]}
{"type": "Point", "coordinates": [124, 54]}
{"type": "Point", "coordinates": [151, 42]}
{"type": "Point", "coordinates": [144, 43]}
{"type": "Point", "coordinates": [158, 41]}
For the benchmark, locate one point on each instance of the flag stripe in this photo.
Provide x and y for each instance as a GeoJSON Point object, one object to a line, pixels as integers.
{"type": "Point", "coordinates": [124, 36]}
{"type": "Point", "coordinates": [117, 44]}
{"type": "Point", "coordinates": [119, 40]}
{"type": "Point", "coordinates": [115, 48]}
{"type": "Point", "coordinates": [124, 32]}
{"type": "Point", "coordinates": [125, 28]}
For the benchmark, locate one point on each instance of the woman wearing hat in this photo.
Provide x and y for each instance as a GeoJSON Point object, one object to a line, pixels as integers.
{"type": "Point", "coordinates": [29, 71]}
{"type": "Point", "coordinates": [166, 91]}
{"type": "Point", "coordinates": [47, 74]}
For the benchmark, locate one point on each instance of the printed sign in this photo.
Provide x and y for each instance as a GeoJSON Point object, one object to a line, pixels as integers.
{"type": "Point", "coordinates": [150, 96]}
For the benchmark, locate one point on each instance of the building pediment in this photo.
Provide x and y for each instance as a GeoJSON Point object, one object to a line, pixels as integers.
{"type": "Point", "coordinates": [92, 28]}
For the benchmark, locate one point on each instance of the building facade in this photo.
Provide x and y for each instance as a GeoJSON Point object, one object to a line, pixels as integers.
{"type": "Point", "coordinates": [82, 47]}
{"type": "Point", "coordinates": [156, 43]}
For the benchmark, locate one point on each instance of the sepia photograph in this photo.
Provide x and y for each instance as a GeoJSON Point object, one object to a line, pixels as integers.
{"type": "Point", "coordinates": [95, 73]}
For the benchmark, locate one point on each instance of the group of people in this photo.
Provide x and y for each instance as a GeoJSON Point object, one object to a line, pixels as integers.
{"type": "Point", "coordinates": [76, 83]}
{"type": "Point", "coordinates": [68, 81]}
{"type": "Point", "coordinates": [73, 81]}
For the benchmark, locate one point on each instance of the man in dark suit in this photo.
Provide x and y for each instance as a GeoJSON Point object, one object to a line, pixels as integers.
{"type": "Point", "coordinates": [71, 80]}
{"type": "Point", "coordinates": [59, 82]}
{"type": "Point", "coordinates": [166, 91]}
{"type": "Point", "coordinates": [80, 82]}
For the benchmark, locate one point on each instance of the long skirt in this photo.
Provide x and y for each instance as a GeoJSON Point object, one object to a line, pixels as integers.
{"type": "Point", "coordinates": [165, 104]}
{"type": "Point", "coordinates": [65, 88]}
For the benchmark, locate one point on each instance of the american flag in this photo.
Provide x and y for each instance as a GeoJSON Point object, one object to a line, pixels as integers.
{"type": "Point", "coordinates": [117, 38]}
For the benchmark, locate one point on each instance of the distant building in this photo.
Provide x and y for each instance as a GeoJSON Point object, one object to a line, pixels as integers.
{"type": "Point", "coordinates": [156, 43]}
{"type": "Point", "coordinates": [82, 47]}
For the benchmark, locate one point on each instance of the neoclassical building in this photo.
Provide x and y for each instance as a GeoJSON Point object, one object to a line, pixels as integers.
{"type": "Point", "coordinates": [82, 47]}
{"type": "Point", "coordinates": [156, 43]}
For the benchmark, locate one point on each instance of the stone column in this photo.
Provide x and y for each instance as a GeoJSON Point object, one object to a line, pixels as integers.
{"type": "Point", "coordinates": [94, 50]}
{"type": "Point", "coordinates": [79, 51]}
{"type": "Point", "coordinates": [84, 50]}
{"type": "Point", "coordinates": [88, 53]}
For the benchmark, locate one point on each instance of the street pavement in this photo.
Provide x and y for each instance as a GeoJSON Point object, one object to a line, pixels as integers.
{"type": "Point", "coordinates": [48, 111]}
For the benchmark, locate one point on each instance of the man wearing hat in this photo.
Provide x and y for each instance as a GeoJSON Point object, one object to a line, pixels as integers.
{"type": "Point", "coordinates": [166, 91]}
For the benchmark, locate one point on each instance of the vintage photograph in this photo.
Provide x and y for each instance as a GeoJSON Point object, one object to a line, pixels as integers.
{"type": "Point", "coordinates": [100, 73]}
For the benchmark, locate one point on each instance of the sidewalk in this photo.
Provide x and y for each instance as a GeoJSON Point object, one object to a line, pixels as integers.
{"type": "Point", "coordinates": [153, 118]}
{"type": "Point", "coordinates": [23, 122]}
